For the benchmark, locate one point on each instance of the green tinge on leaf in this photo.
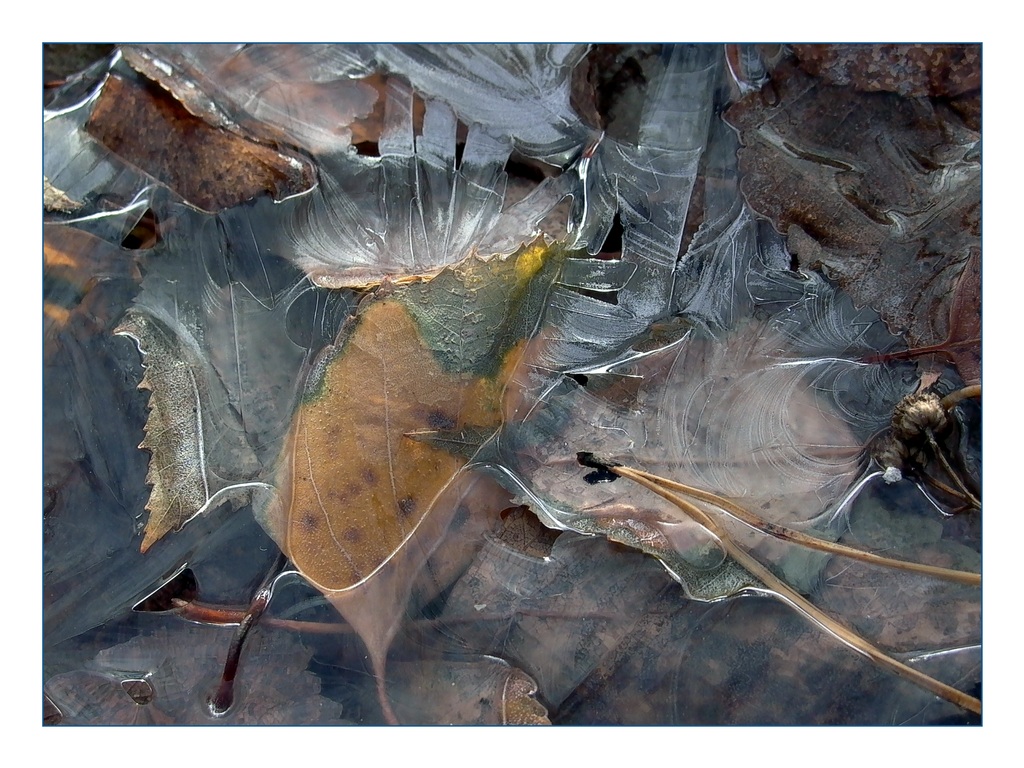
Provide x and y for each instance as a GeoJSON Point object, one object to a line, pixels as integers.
{"type": "Point", "coordinates": [472, 313]}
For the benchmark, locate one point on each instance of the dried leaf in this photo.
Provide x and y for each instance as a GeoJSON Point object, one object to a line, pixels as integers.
{"type": "Point", "coordinates": [484, 692]}
{"type": "Point", "coordinates": [962, 344]}
{"type": "Point", "coordinates": [212, 322]}
{"type": "Point", "coordinates": [557, 615]}
{"type": "Point", "coordinates": [176, 428]}
{"type": "Point", "coordinates": [357, 490]}
{"type": "Point", "coordinates": [909, 70]}
{"type": "Point", "coordinates": [209, 168]}
{"type": "Point", "coordinates": [881, 191]}
{"type": "Point", "coordinates": [964, 340]}
{"type": "Point", "coordinates": [773, 412]}
{"type": "Point", "coordinates": [305, 95]}
{"type": "Point", "coordinates": [56, 200]}
{"type": "Point", "coordinates": [356, 484]}
{"type": "Point", "coordinates": [75, 264]}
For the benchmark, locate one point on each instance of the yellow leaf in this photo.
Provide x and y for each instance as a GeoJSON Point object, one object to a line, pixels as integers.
{"type": "Point", "coordinates": [354, 485]}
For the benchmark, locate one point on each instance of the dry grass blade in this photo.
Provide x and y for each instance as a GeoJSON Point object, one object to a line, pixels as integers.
{"type": "Point", "coordinates": [796, 600]}
{"type": "Point", "coordinates": [797, 537]}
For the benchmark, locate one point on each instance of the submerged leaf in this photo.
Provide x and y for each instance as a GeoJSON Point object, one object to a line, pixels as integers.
{"type": "Point", "coordinates": [222, 369]}
{"type": "Point", "coordinates": [360, 479]}
{"type": "Point", "coordinates": [430, 360]}
{"type": "Point", "coordinates": [305, 95]}
{"type": "Point", "coordinates": [356, 486]}
{"type": "Point", "coordinates": [175, 429]}
{"type": "Point", "coordinates": [484, 692]}
{"type": "Point", "coordinates": [882, 192]}
{"type": "Point", "coordinates": [773, 413]}
{"type": "Point", "coordinates": [555, 615]}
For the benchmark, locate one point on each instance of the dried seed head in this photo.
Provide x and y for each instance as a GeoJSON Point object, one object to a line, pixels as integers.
{"type": "Point", "coordinates": [890, 453]}
{"type": "Point", "coordinates": [918, 414]}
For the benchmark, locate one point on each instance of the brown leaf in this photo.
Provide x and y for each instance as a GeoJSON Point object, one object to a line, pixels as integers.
{"type": "Point", "coordinates": [555, 616]}
{"type": "Point", "coordinates": [962, 344]}
{"type": "Point", "coordinates": [484, 692]}
{"type": "Point", "coordinates": [880, 192]}
{"type": "Point", "coordinates": [174, 429]}
{"type": "Point", "coordinates": [181, 428]}
{"type": "Point", "coordinates": [964, 339]}
{"type": "Point", "coordinates": [356, 487]}
{"type": "Point", "coordinates": [296, 94]}
{"type": "Point", "coordinates": [909, 70]}
{"type": "Point", "coordinates": [75, 263]}
{"type": "Point", "coordinates": [210, 168]}
{"type": "Point", "coordinates": [357, 493]}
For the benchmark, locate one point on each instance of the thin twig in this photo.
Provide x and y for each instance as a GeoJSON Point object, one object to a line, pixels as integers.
{"type": "Point", "coordinates": [940, 454]}
{"type": "Point", "coordinates": [941, 486]}
{"type": "Point", "coordinates": [950, 400]}
{"type": "Point", "coordinates": [811, 542]}
{"type": "Point", "coordinates": [797, 601]}
{"type": "Point", "coordinates": [222, 699]}
{"type": "Point", "coordinates": [223, 616]}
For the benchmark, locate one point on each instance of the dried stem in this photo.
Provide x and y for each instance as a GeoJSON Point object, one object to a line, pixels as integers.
{"type": "Point", "coordinates": [221, 700]}
{"type": "Point", "coordinates": [950, 400]}
{"type": "Point", "coordinates": [223, 616]}
{"type": "Point", "coordinates": [811, 542]}
{"type": "Point", "coordinates": [952, 473]}
{"type": "Point", "coordinates": [941, 486]}
{"type": "Point", "coordinates": [797, 601]}
{"type": "Point", "coordinates": [385, 704]}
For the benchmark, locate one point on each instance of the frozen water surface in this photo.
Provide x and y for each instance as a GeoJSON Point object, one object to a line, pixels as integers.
{"type": "Point", "coordinates": [435, 276]}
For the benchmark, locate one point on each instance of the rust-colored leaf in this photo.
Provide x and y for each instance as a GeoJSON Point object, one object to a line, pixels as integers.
{"type": "Point", "coordinates": [301, 95]}
{"type": "Point", "coordinates": [964, 340]}
{"type": "Point", "coordinates": [880, 192]}
{"type": "Point", "coordinates": [909, 70]}
{"type": "Point", "coordinates": [211, 168]}
{"type": "Point", "coordinates": [962, 344]}
{"type": "Point", "coordinates": [370, 452]}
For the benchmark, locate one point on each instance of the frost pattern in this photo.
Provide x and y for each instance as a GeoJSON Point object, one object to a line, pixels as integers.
{"type": "Point", "coordinates": [518, 91]}
{"type": "Point", "coordinates": [647, 183]}
{"type": "Point", "coordinates": [302, 94]}
{"type": "Point", "coordinates": [411, 211]}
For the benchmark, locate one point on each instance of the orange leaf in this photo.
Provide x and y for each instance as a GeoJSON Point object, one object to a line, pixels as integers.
{"type": "Point", "coordinates": [355, 487]}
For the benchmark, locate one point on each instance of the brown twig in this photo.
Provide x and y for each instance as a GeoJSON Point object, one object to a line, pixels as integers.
{"type": "Point", "coordinates": [941, 486]}
{"type": "Point", "coordinates": [811, 542]}
{"type": "Point", "coordinates": [221, 700]}
{"type": "Point", "coordinates": [950, 472]}
{"type": "Point", "coordinates": [797, 601]}
{"type": "Point", "coordinates": [950, 400]}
